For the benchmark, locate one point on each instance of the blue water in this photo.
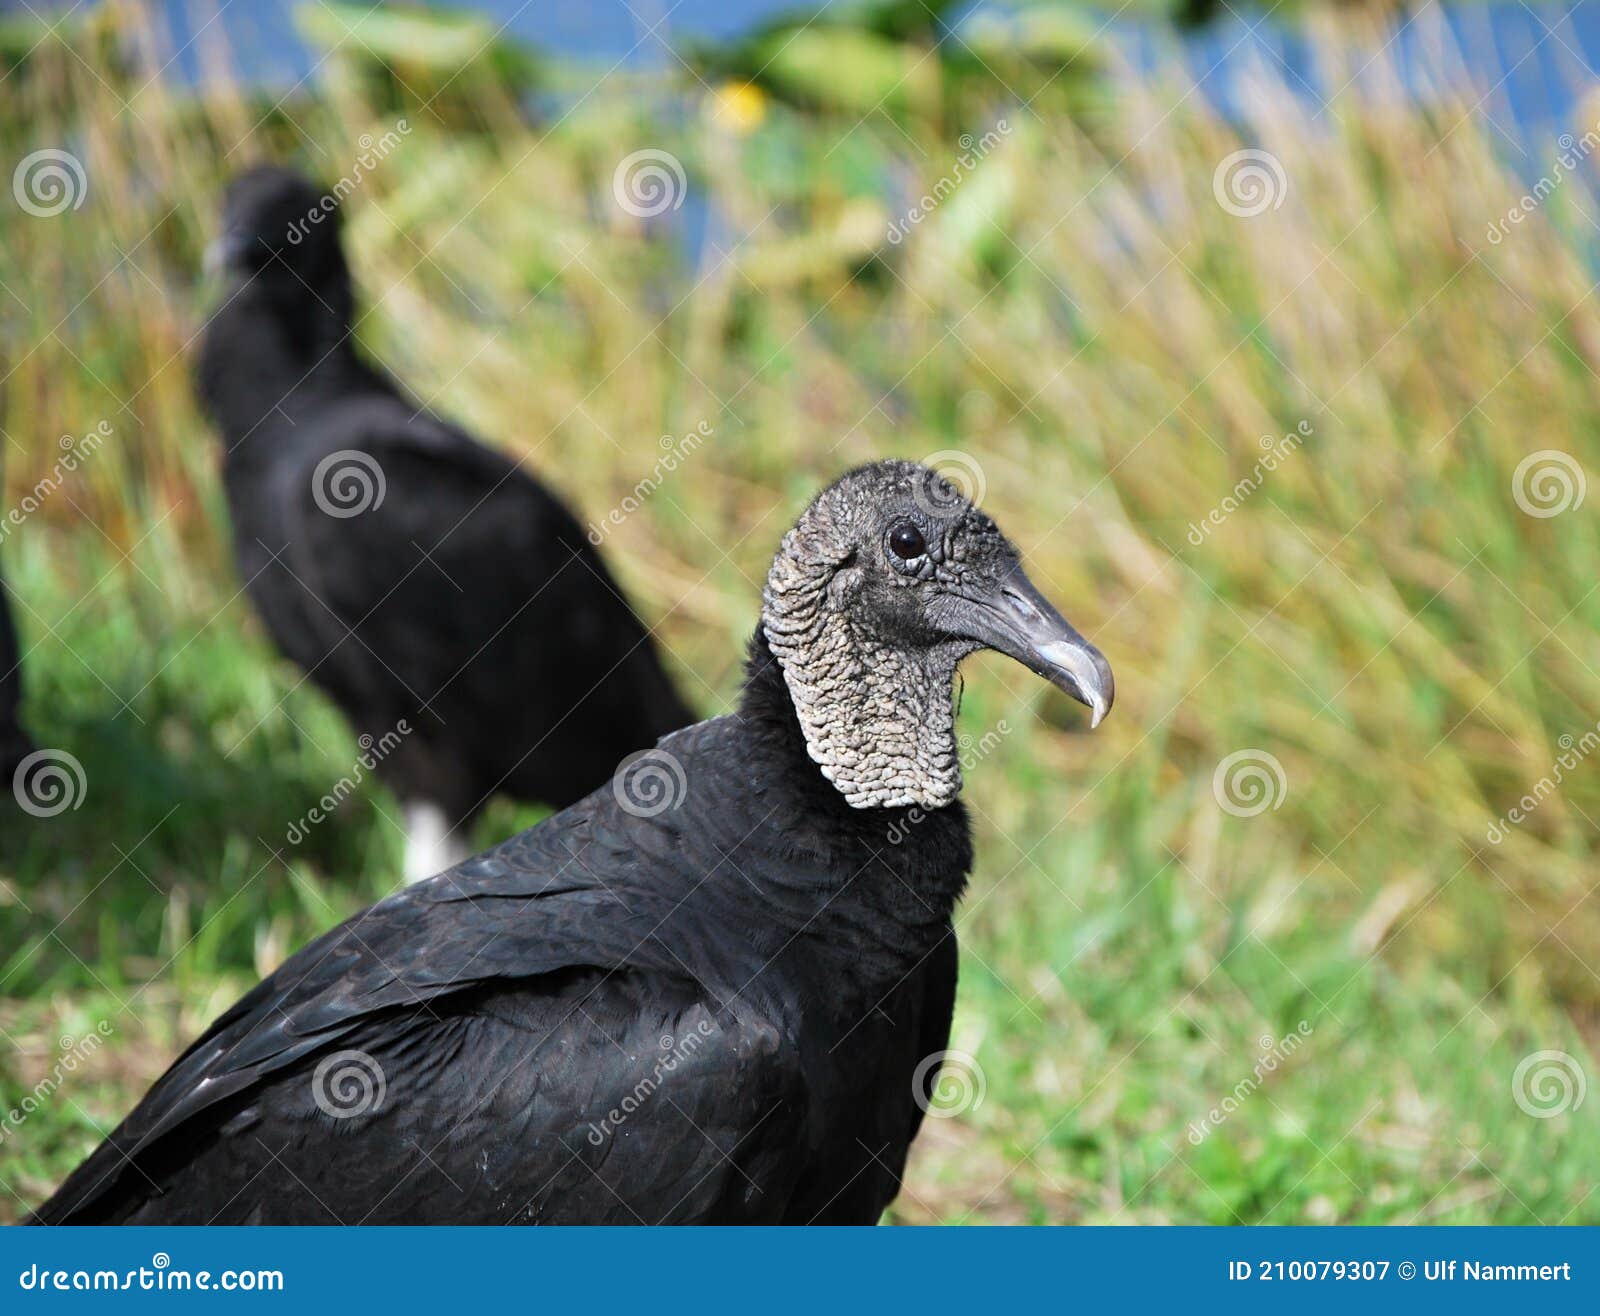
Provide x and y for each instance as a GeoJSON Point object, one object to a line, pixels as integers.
{"type": "Point", "coordinates": [636, 34]}
{"type": "Point", "coordinates": [1536, 57]}
{"type": "Point", "coordinates": [1531, 62]}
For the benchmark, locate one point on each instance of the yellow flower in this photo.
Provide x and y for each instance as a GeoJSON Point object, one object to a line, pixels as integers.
{"type": "Point", "coordinates": [740, 106]}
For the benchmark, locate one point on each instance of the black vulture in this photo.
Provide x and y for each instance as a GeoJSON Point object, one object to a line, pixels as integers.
{"type": "Point", "coordinates": [14, 743]}
{"type": "Point", "coordinates": [716, 995]}
{"type": "Point", "coordinates": [447, 602]}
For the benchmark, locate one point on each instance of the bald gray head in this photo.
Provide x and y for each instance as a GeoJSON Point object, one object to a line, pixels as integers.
{"type": "Point", "coordinates": [889, 579]}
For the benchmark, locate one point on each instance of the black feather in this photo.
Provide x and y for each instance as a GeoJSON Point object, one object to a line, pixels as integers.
{"type": "Point", "coordinates": [466, 601]}
{"type": "Point", "coordinates": [521, 1009]}
{"type": "Point", "coordinates": [14, 743]}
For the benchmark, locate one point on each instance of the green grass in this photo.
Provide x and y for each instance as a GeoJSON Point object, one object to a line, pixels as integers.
{"type": "Point", "coordinates": [1086, 322]}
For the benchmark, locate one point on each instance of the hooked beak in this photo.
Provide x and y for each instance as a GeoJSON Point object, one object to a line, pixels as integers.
{"type": "Point", "coordinates": [1018, 621]}
{"type": "Point", "coordinates": [221, 252]}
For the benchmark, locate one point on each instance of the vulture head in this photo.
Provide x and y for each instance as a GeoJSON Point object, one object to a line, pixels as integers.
{"type": "Point", "coordinates": [889, 579]}
{"type": "Point", "coordinates": [278, 226]}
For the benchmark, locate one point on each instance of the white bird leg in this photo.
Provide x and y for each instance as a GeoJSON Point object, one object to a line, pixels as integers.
{"type": "Point", "coordinates": [431, 845]}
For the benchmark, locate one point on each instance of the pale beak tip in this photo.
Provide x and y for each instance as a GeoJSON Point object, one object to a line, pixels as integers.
{"type": "Point", "coordinates": [1089, 672]}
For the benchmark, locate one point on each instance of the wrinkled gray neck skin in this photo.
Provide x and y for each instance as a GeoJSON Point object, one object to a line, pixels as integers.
{"type": "Point", "coordinates": [878, 720]}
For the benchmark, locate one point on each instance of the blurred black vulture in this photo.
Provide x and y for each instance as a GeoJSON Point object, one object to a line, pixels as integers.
{"type": "Point", "coordinates": [718, 992]}
{"type": "Point", "coordinates": [447, 602]}
{"type": "Point", "coordinates": [14, 743]}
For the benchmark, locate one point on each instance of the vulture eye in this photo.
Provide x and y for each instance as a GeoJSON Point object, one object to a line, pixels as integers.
{"type": "Point", "coordinates": [906, 542]}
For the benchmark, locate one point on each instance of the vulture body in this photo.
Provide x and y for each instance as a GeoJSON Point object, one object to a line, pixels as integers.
{"type": "Point", "coordinates": [717, 996]}
{"type": "Point", "coordinates": [14, 743]}
{"type": "Point", "coordinates": [447, 602]}
{"type": "Point", "coordinates": [512, 1004]}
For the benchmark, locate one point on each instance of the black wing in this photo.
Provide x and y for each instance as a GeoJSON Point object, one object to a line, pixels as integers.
{"type": "Point", "coordinates": [434, 581]}
{"type": "Point", "coordinates": [14, 743]}
{"type": "Point", "coordinates": [540, 1049]}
